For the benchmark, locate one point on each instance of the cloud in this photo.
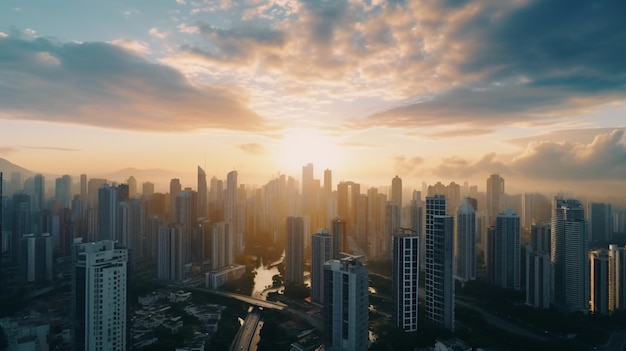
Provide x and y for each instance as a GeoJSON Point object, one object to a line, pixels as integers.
{"type": "Point", "coordinates": [104, 85]}
{"type": "Point", "coordinates": [406, 166]}
{"type": "Point", "coordinates": [52, 148]}
{"type": "Point", "coordinates": [252, 148]}
{"type": "Point", "coordinates": [458, 133]}
{"type": "Point", "coordinates": [604, 158]}
{"type": "Point", "coordinates": [6, 150]}
{"type": "Point", "coordinates": [135, 46]}
{"type": "Point", "coordinates": [3, 35]}
{"type": "Point", "coordinates": [456, 167]}
{"type": "Point", "coordinates": [581, 135]}
{"type": "Point", "coordinates": [155, 33]}
{"type": "Point", "coordinates": [359, 144]}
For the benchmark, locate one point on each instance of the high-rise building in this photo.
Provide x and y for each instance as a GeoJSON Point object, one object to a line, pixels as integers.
{"type": "Point", "coordinates": [83, 189]}
{"type": "Point", "coordinates": [600, 221]}
{"type": "Point", "coordinates": [599, 282]}
{"type": "Point", "coordinates": [569, 256]}
{"type": "Point", "coordinates": [132, 187]}
{"type": "Point", "coordinates": [175, 189]}
{"type": "Point", "coordinates": [147, 189]}
{"type": "Point", "coordinates": [495, 195]}
{"type": "Point", "coordinates": [346, 304]}
{"type": "Point", "coordinates": [439, 285]}
{"type": "Point", "coordinates": [22, 223]}
{"type": "Point", "coordinates": [221, 246]}
{"type": "Point", "coordinates": [405, 273]}
{"type": "Point", "coordinates": [507, 250]}
{"type": "Point", "coordinates": [465, 243]}
{"type": "Point", "coordinates": [416, 223]}
{"type": "Point", "coordinates": [396, 190]}
{"type": "Point", "coordinates": [93, 189]}
{"type": "Point", "coordinates": [203, 200]}
{"type": "Point", "coordinates": [321, 251]}
{"type": "Point", "coordinates": [617, 278]}
{"type": "Point", "coordinates": [338, 231]}
{"type": "Point", "coordinates": [538, 282]}
{"type": "Point", "coordinates": [328, 182]}
{"type": "Point", "coordinates": [294, 253]}
{"type": "Point", "coordinates": [393, 215]}
{"type": "Point", "coordinates": [63, 191]}
{"type": "Point", "coordinates": [39, 196]}
{"type": "Point", "coordinates": [107, 213]}
{"type": "Point", "coordinates": [540, 237]}
{"type": "Point", "coordinates": [100, 296]}
{"type": "Point", "coordinates": [170, 253]}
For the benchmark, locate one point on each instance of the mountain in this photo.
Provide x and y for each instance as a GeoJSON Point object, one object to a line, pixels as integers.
{"type": "Point", "coordinates": [7, 168]}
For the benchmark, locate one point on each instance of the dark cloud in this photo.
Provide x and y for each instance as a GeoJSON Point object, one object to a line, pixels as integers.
{"type": "Point", "coordinates": [104, 85]}
{"type": "Point", "coordinates": [239, 42]}
{"type": "Point", "coordinates": [528, 62]}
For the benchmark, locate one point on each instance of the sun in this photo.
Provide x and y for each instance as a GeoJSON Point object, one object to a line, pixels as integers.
{"type": "Point", "coordinates": [299, 147]}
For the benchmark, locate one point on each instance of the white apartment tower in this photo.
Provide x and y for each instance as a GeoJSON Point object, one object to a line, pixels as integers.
{"type": "Point", "coordinates": [439, 262]}
{"type": "Point", "coordinates": [346, 304]}
{"type": "Point", "coordinates": [405, 272]}
{"type": "Point", "coordinates": [100, 296]}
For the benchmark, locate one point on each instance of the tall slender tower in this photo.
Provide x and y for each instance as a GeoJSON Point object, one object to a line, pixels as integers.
{"type": "Point", "coordinates": [175, 189]}
{"type": "Point", "coordinates": [405, 272]}
{"type": "Point", "coordinates": [495, 193]}
{"type": "Point", "coordinates": [107, 212]}
{"type": "Point", "coordinates": [439, 262]}
{"type": "Point", "coordinates": [202, 194]}
{"type": "Point", "coordinates": [321, 248]}
{"type": "Point", "coordinates": [338, 231]}
{"type": "Point", "coordinates": [599, 282]}
{"type": "Point", "coordinates": [100, 296]}
{"type": "Point", "coordinates": [617, 278]}
{"type": "Point", "coordinates": [465, 243]}
{"type": "Point", "coordinates": [346, 304]}
{"type": "Point", "coordinates": [600, 221]}
{"type": "Point", "coordinates": [294, 255]}
{"type": "Point", "coordinates": [507, 250]}
{"type": "Point", "coordinates": [396, 190]}
{"type": "Point", "coordinates": [569, 256]}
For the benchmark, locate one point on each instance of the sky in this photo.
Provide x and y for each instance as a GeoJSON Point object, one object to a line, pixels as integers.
{"type": "Point", "coordinates": [448, 90]}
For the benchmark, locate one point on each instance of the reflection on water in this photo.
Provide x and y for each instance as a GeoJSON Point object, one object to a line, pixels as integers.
{"type": "Point", "coordinates": [264, 275]}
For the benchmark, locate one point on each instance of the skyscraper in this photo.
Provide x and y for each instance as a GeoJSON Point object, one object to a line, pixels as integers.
{"type": "Point", "coordinates": [600, 221]}
{"type": "Point", "coordinates": [203, 203]}
{"type": "Point", "coordinates": [396, 190]}
{"type": "Point", "coordinates": [175, 189]}
{"type": "Point", "coordinates": [321, 248]}
{"type": "Point", "coordinates": [39, 196]}
{"type": "Point", "coordinates": [617, 278]}
{"type": "Point", "coordinates": [495, 194]}
{"type": "Point", "coordinates": [338, 231]}
{"type": "Point", "coordinates": [599, 282]}
{"type": "Point", "coordinates": [393, 217]}
{"type": "Point", "coordinates": [107, 212]}
{"type": "Point", "coordinates": [540, 237]}
{"type": "Point", "coordinates": [294, 254]}
{"type": "Point", "coordinates": [465, 243]}
{"type": "Point", "coordinates": [100, 297]}
{"type": "Point", "coordinates": [538, 281]}
{"type": "Point", "coordinates": [346, 304]}
{"type": "Point", "coordinates": [569, 256]}
{"type": "Point", "coordinates": [507, 250]}
{"type": "Point", "coordinates": [63, 191]}
{"type": "Point", "coordinates": [439, 262]}
{"type": "Point", "coordinates": [22, 223]}
{"type": "Point", "coordinates": [405, 273]}
{"type": "Point", "coordinates": [170, 253]}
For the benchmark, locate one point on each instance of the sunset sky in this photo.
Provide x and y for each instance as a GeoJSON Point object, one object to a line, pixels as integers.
{"type": "Point", "coordinates": [429, 90]}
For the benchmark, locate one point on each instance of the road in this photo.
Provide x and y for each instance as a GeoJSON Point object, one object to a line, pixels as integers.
{"type": "Point", "coordinates": [245, 335]}
{"type": "Point", "coordinates": [617, 342]}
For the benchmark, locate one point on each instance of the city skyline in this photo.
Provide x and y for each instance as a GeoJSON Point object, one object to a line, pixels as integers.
{"type": "Point", "coordinates": [425, 89]}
